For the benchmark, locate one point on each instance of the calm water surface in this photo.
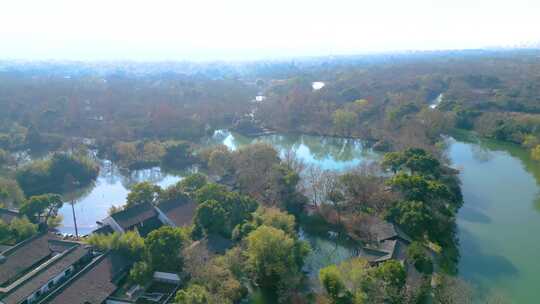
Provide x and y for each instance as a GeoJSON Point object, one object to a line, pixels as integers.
{"type": "Point", "coordinates": [498, 224]}
{"type": "Point", "coordinates": [110, 189]}
{"type": "Point", "coordinates": [500, 220]}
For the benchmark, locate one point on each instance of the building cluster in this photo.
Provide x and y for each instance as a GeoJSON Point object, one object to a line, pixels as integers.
{"type": "Point", "coordinates": [46, 268]}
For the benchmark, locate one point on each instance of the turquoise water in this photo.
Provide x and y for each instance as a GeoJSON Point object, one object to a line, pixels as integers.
{"type": "Point", "coordinates": [500, 220]}
{"type": "Point", "coordinates": [498, 224]}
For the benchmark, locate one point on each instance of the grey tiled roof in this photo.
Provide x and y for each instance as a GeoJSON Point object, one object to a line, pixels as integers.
{"type": "Point", "coordinates": [384, 230]}
{"type": "Point", "coordinates": [386, 250]}
{"type": "Point", "coordinates": [25, 289]}
{"type": "Point", "coordinates": [94, 284]}
{"type": "Point", "coordinates": [134, 215]}
{"type": "Point", "coordinates": [23, 256]}
{"type": "Point", "coordinates": [106, 229]}
{"type": "Point", "coordinates": [180, 213]}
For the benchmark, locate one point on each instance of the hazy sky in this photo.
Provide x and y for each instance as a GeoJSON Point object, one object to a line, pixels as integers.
{"type": "Point", "coordinates": [235, 29]}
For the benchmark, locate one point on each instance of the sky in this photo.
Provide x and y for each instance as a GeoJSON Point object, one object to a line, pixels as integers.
{"type": "Point", "coordinates": [252, 29]}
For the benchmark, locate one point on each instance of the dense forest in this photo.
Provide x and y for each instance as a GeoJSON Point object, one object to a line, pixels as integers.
{"type": "Point", "coordinates": [59, 119]}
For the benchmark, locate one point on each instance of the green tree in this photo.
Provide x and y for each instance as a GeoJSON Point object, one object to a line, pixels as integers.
{"type": "Point", "coordinates": [420, 188]}
{"type": "Point", "coordinates": [417, 255]}
{"type": "Point", "coordinates": [273, 257]}
{"type": "Point", "coordinates": [143, 193]}
{"type": "Point", "coordinates": [273, 217]}
{"type": "Point", "coordinates": [194, 294]}
{"type": "Point", "coordinates": [414, 217]}
{"type": "Point", "coordinates": [81, 168]}
{"type": "Point", "coordinates": [41, 207]}
{"type": "Point", "coordinates": [351, 281]}
{"type": "Point", "coordinates": [332, 283]}
{"type": "Point", "coordinates": [211, 217]}
{"type": "Point", "coordinates": [419, 161]}
{"type": "Point", "coordinates": [141, 273]}
{"type": "Point", "coordinates": [21, 228]}
{"type": "Point", "coordinates": [221, 210]}
{"type": "Point", "coordinates": [192, 183]}
{"type": "Point", "coordinates": [393, 161]}
{"type": "Point", "coordinates": [211, 191]}
{"type": "Point", "coordinates": [163, 248]}
{"type": "Point", "coordinates": [129, 244]}
{"type": "Point", "coordinates": [392, 273]}
{"type": "Point", "coordinates": [239, 208]}
{"type": "Point", "coordinates": [48, 176]}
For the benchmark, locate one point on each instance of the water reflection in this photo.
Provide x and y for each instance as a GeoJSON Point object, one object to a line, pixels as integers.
{"type": "Point", "coordinates": [330, 153]}
{"type": "Point", "coordinates": [325, 250]}
{"type": "Point", "coordinates": [110, 189]}
{"type": "Point", "coordinates": [498, 222]}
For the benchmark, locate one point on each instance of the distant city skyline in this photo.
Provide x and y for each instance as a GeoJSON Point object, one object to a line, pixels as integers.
{"type": "Point", "coordinates": [246, 30]}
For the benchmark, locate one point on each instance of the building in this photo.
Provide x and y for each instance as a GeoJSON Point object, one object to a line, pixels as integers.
{"type": "Point", "coordinates": [34, 268]}
{"type": "Point", "coordinates": [177, 214]}
{"type": "Point", "coordinates": [94, 284]}
{"type": "Point", "coordinates": [146, 217]}
{"type": "Point", "coordinates": [7, 215]}
{"type": "Point", "coordinates": [385, 241]}
{"type": "Point", "coordinates": [142, 218]}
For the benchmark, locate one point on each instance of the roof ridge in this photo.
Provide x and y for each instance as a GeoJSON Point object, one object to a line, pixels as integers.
{"type": "Point", "coordinates": [10, 250]}
{"type": "Point", "coordinates": [72, 279]}
{"type": "Point", "coordinates": [38, 269]}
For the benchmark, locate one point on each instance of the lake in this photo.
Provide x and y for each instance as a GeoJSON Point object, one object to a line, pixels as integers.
{"type": "Point", "coordinates": [497, 223]}
{"type": "Point", "coordinates": [500, 218]}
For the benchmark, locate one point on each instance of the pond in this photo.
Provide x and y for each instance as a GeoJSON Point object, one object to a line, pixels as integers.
{"type": "Point", "coordinates": [500, 184]}
{"type": "Point", "coordinates": [329, 153]}
{"type": "Point", "coordinates": [110, 189]}
{"type": "Point", "coordinates": [497, 223]}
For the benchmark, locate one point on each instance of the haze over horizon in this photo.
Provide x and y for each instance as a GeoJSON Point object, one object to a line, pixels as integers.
{"type": "Point", "coordinates": [247, 30]}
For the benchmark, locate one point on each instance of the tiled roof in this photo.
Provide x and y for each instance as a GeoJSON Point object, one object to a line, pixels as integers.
{"type": "Point", "coordinates": [7, 215]}
{"type": "Point", "coordinates": [384, 230]}
{"type": "Point", "coordinates": [25, 289]}
{"type": "Point", "coordinates": [386, 250]}
{"type": "Point", "coordinates": [23, 256]}
{"type": "Point", "coordinates": [106, 229]}
{"type": "Point", "coordinates": [180, 213]}
{"type": "Point", "coordinates": [134, 215]}
{"type": "Point", "coordinates": [93, 284]}
{"type": "Point", "coordinates": [148, 226]}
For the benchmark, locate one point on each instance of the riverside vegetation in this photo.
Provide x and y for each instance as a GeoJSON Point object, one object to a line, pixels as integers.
{"type": "Point", "coordinates": [256, 198]}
